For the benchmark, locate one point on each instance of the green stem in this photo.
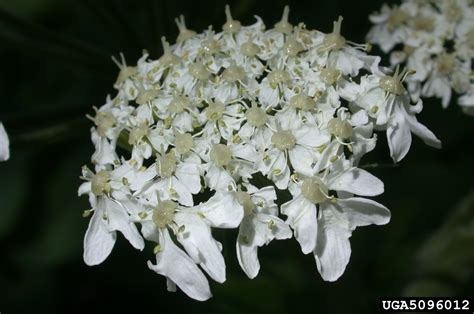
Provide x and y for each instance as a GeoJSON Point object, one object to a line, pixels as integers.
{"type": "Point", "coordinates": [377, 165]}
{"type": "Point", "coordinates": [50, 134]}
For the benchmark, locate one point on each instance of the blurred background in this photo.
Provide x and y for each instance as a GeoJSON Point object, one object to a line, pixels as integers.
{"type": "Point", "coordinates": [55, 65]}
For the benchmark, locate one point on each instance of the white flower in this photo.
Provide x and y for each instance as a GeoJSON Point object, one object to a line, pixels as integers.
{"type": "Point", "coordinates": [226, 163]}
{"type": "Point", "coordinates": [438, 43]}
{"type": "Point", "coordinates": [291, 144]}
{"type": "Point", "coordinates": [178, 179]}
{"type": "Point", "coordinates": [323, 221]}
{"type": "Point", "coordinates": [193, 232]}
{"type": "Point", "coordinates": [179, 269]}
{"type": "Point", "coordinates": [255, 130]}
{"type": "Point", "coordinates": [386, 101]}
{"type": "Point", "coordinates": [259, 226]}
{"type": "Point", "coordinates": [4, 144]}
{"type": "Point", "coordinates": [221, 120]}
{"type": "Point", "coordinates": [108, 217]}
{"type": "Point", "coordinates": [198, 138]}
{"type": "Point", "coordinates": [448, 73]}
{"type": "Point", "coordinates": [389, 28]}
{"type": "Point", "coordinates": [344, 56]}
{"type": "Point", "coordinates": [177, 111]}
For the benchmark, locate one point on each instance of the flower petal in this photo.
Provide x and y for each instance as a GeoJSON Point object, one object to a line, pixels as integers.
{"type": "Point", "coordinates": [197, 237]}
{"type": "Point", "coordinates": [84, 188]}
{"type": "Point", "coordinates": [399, 137]}
{"type": "Point", "coordinates": [120, 221]}
{"type": "Point", "coordinates": [218, 178]}
{"type": "Point", "coordinates": [310, 136]}
{"type": "Point", "coordinates": [150, 231]}
{"type": "Point", "coordinates": [188, 174]}
{"type": "Point", "coordinates": [302, 218]}
{"type": "Point", "coordinates": [272, 227]}
{"type": "Point", "coordinates": [357, 181]}
{"type": "Point", "coordinates": [362, 212]}
{"type": "Point", "coordinates": [422, 131]}
{"type": "Point", "coordinates": [248, 259]}
{"type": "Point", "coordinates": [98, 241]}
{"type": "Point", "coordinates": [222, 210]}
{"type": "Point", "coordinates": [333, 250]}
{"type": "Point", "coordinates": [301, 160]}
{"type": "Point", "coordinates": [184, 195]}
{"type": "Point", "coordinates": [176, 265]}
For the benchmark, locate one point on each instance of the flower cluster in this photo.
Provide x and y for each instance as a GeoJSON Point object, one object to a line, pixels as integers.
{"type": "Point", "coordinates": [436, 39]}
{"type": "Point", "coordinates": [222, 122]}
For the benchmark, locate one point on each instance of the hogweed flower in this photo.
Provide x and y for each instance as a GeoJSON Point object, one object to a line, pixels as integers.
{"type": "Point", "coordinates": [434, 38]}
{"type": "Point", "coordinates": [227, 116]}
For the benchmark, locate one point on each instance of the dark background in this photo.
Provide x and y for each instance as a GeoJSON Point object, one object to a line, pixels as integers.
{"type": "Point", "coordinates": [55, 65]}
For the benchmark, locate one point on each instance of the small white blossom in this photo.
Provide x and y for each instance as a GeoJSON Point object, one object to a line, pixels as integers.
{"type": "Point", "coordinates": [323, 214]}
{"type": "Point", "coordinates": [259, 226]}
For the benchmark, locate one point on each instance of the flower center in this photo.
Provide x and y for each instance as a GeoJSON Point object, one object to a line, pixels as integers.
{"type": "Point", "coordinates": [292, 47]}
{"type": "Point", "coordinates": [283, 26]}
{"type": "Point", "coordinates": [166, 165]}
{"type": "Point", "coordinates": [249, 49]}
{"type": "Point", "coordinates": [199, 71]}
{"type": "Point", "coordinates": [283, 140]}
{"type": "Point", "coordinates": [183, 143]}
{"type": "Point", "coordinates": [221, 155]}
{"type": "Point", "coordinates": [453, 12]}
{"type": "Point", "coordinates": [215, 110]}
{"type": "Point", "coordinates": [408, 49]}
{"type": "Point", "coordinates": [278, 77]}
{"type": "Point", "coordinates": [184, 33]}
{"type": "Point", "coordinates": [256, 116]}
{"type": "Point", "coordinates": [445, 63]}
{"type": "Point", "coordinates": [100, 183]}
{"type": "Point", "coordinates": [303, 102]}
{"type": "Point", "coordinates": [329, 75]}
{"type": "Point", "coordinates": [210, 46]}
{"type": "Point", "coordinates": [334, 40]}
{"type": "Point", "coordinates": [104, 121]}
{"type": "Point", "coordinates": [423, 23]}
{"type": "Point", "coordinates": [144, 96]}
{"type": "Point", "coordinates": [125, 71]}
{"type": "Point", "coordinates": [163, 214]}
{"type": "Point", "coordinates": [314, 190]}
{"type": "Point", "coordinates": [392, 84]}
{"type": "Point", "coordinates": [245, 200]}
{"type": "Point", "coordinates": [231, 26]}
{"type": "Point", "coordinates": [339, 128]}
{"type": "Point", "coordinates": [397, 17]}
{"type": "Point", "coordinates": [233, 74]}
{"type": "Point", "coordinates": [137, 133]}
{"type": "Point", "coordinates": [168, 58]}
{"type": "Point", "coordinates": [178, 104]}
